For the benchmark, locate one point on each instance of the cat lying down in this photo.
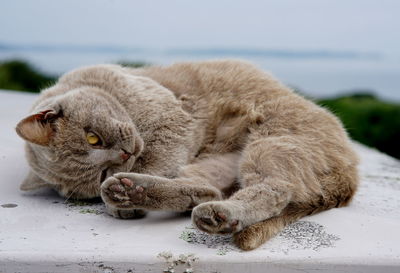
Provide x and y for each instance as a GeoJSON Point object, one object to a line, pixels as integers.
{"type": "Point", "coordinates": [221, 138]}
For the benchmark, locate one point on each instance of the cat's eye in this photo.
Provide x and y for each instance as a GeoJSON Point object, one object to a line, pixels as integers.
{"type": "Point", "coordinates": [93, 139]}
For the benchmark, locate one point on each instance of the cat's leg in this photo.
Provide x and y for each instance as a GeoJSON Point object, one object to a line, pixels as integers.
{"type": "Point", "coordinates": [254, 235]}
{"type": "Point", "coordinates": [206, 180]}
{"type": "Point", "coordinates": [273, 172]}
{"type": "Point", "coordinates": [140, 191]}
{"type": "Point", "coordinates": [339, 187]}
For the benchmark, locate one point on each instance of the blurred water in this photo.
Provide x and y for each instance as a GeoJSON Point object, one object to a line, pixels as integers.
{"type": "Point", "coordinates": [314, 75]}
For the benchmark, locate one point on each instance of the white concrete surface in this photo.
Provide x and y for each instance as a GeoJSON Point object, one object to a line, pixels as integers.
{"type": "Point", "coordinates": [43, 233]}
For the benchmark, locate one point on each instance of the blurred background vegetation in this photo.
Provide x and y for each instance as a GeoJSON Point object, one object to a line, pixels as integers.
{"type": "Point", "coordinates": [20, 75]}
{"type": "Point", "coordinates": [368, 120]}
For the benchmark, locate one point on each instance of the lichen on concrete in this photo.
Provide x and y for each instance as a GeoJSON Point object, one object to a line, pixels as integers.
{"type": "Point", "coordinates": [85, 207]}
{"type": "Point", "coordinates": [223, 244]}
{"type": "Point", "coordinates": [308, 235]}
{"type": "Point", "coordinates": [90, 211]}
{"type": "Point", "coordinates": [297, 236]}
{"type": "Point", "coordinates": [182, 262]}
{"type": "Point", "coordinates": [301, 235]}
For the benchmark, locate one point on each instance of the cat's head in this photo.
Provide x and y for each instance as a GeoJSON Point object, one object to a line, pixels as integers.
{"type": "Point", "coordinates": [76, 139]}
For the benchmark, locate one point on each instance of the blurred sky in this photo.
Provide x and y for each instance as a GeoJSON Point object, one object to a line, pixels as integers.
{"type": "Point", "coordinates": [367, 31]}
{"type": "Point", "coordinates": [362, 25]}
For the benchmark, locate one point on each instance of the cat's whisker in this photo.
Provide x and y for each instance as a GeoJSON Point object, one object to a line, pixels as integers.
{"type": "Point", "coordinates": [71, 194]}
{"type": "Point", "coordinates": [76, 187]}
{"type": "Point", "coordinates": [81, 174]}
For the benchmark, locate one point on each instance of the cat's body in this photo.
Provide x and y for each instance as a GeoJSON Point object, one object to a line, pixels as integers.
{"type": "Point", "coordinates": [222, 137]}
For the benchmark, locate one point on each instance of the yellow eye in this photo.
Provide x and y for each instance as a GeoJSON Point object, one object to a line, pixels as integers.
{"type": "Point", "coordinates": [92, 138]}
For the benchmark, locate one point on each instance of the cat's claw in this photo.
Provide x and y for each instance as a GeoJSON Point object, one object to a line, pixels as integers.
{"type": "Point", "coordinates": [122, 193]}
{"type": "Point", "coordinates": [215, 217]}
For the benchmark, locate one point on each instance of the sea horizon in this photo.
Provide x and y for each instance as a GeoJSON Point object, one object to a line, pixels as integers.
{"type": "Point", "coordinates": [315, 72]}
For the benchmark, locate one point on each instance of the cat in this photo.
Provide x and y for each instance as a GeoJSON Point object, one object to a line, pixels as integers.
{"type": "Point", "coordinates": [222, 138]}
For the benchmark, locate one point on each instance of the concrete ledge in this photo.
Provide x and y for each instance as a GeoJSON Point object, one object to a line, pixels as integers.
{"type": "Point", "coordinates": [40, 232]}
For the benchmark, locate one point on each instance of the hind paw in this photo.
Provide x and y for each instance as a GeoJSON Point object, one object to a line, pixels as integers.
{"type": "Point", "coordinates": [216, 217]}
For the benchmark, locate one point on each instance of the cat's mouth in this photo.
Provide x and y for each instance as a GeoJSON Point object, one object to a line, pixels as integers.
{"type": "Point", "coordinates": [103, 175]}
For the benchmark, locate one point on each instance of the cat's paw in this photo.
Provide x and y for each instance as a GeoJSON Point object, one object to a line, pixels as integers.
{"type": "Point", "coordinates": [126, 213]}
{"type": "Point", "coordinates": [124, 191]}
{"type": "Point", "coordinates": [216, 217]}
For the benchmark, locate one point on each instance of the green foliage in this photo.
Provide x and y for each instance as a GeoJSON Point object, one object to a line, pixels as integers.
{"type": "Point", "coordinates": [369, 120]}
{"type": "Point", "coordinates": [19, 75]}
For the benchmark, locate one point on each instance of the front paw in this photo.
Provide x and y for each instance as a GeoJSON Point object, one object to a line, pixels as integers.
{"type": "Point", "coordinates": [126, 213]}
{"type": "Point", "coordinates": [122, 192]}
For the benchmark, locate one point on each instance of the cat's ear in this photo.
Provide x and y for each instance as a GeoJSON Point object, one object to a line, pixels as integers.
{"type": "Point", "coordinates": [32, 182]}
{"type": "Point", "coordinates": [37, 128]}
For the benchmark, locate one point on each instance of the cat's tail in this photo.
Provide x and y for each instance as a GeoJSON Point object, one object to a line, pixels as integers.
{"type": "Point", "coordinates": [253, 236]}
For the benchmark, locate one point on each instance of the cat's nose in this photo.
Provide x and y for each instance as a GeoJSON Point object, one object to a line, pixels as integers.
{"type": "Point", "coordinates": [125, 155]}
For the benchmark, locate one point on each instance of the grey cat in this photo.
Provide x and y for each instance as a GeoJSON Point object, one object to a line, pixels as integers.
{"type": "Point", "coordinates": [221, 138]}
